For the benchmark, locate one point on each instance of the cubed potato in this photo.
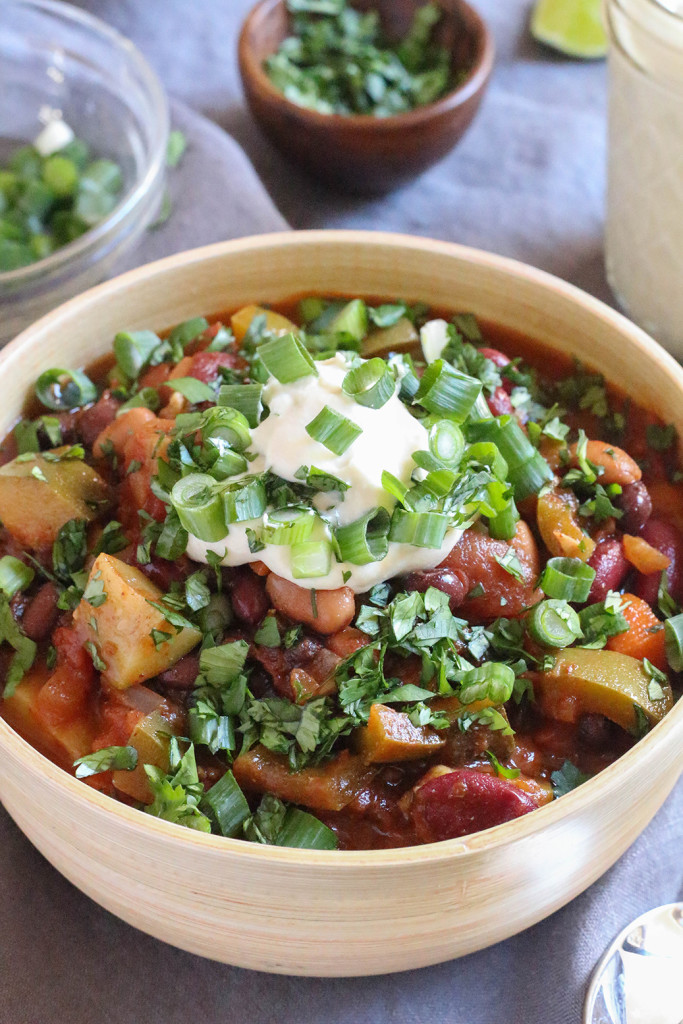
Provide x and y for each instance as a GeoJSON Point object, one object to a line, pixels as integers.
{"type": "Point", "coordinates": [327, 787]}
{"type": "Point", "coordinates": [151, 739]}
{"type": "Point", "coordinates": [600, 682]}
{"type": "Point", "coordinates": [38, 496]}
{"type": "Point", "coordinates": [276, 323]}
{"type": "Point", "coordinates": [391, 736]}
{"type": "Point", "coordinates": [121, 627]}
{"type": "Point", "coordinates": [62, 742]}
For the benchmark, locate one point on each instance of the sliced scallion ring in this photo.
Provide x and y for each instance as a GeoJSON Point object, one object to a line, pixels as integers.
{"type": "Point", "coordinates": [64, 389]}
{"type": "Point", "coordinates": [14, 575]}
{"type": "Point", "coordinates": [446, 442]}
{"type": "Point", "coordinates": [333, 430]}
{"type": "Point", "coordinates": [289, 526]}
{"type": "Point", "coordinates": [421, 529]}
{"type": "Point", "coordinates": [567, 579]}
{"type": "Point", "coordinates": [286, 359]}
{"type": "Point", "coordinates": [246, 398]}
{"type": "Point", "coordinates": [133, 350]}
{"type": "Point", "coordinates": [554, 623]}
{"type": "Point", "coordinates": [447, 392]}
{"type": "Point", "coordinates": [503, 525]}
{"type": "Point", "coordinates": [366, 539]}
{"type": "Point", "coordinates": [227, 462]}
{"type": "Point", "coordinates": [370, 384]}
{"type": "Point", "coordinates": [199, 506]}
{"type": "Point", "coordinates": [310, 559]}
{"type": "Point", "coordinates": [245, 499]}
{"type": "Point", "coordinates": [228, 425]}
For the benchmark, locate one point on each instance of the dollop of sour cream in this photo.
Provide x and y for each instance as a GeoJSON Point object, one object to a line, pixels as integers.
{"type": "Point", "coordinates": [281, 444]}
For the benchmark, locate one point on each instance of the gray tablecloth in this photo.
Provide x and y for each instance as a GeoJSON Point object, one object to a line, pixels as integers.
{"type": "Point", "coordinates": [527, 181]}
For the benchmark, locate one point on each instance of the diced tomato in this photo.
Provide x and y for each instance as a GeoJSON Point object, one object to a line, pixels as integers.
{"type": "Point", "coordinates": [205, 365]}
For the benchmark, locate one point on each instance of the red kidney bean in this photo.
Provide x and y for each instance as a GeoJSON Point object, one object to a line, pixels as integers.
{"type": "Point", "coordinates": [41, 613]}
{"type": "Point", "coordinates": [249, 600]}
{"type": "Point", "coordinates": [596, 732]}
{"type": "Point", "coordinates": [636, 504]}
{"type": "Point", "coordinates": [466, 801]}
{"type": "Point", "coordinates": [499, 403]}
{"type": "Point", "coordinates": [92, 421]}
{"type": "Point", "coordinates": [205, 365]}
{"type": "Point", "coordinates": [453, 582]}
{"type": "Point", "coordinates": [610, 568]}
{"type": "Point", "coordinates": [182, 675]}
{"type": "Point", "coordinates": [667, 539]}
{"type": "Point", "coordinates": [495, 355]}
{"type": "Point", "coordinates": [164, 573]}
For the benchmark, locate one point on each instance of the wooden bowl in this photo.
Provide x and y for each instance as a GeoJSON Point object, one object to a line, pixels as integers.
{"type": "Point", "coordinates": [328, 912]}
{"type": "Point", "coordinates": [362, 153]}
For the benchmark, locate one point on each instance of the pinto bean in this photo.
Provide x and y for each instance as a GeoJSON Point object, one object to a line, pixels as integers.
{"type": "Point", "coordinates": [618, 466]}
{"type": "Point", "coordinates": [665, 538]}
{"type": "Point", "coordinates": [478, 556]}
{"type": "Point", "coordinates": [182, 675]}
{"type": "Point", "coordinates": [610, 568]}
{"type": "Point", "coordinates": [347, 641]}
{"type": "Point", "coordinates": [41, 613]}
{"type": "Point", "coordinates": [249, 600]}
{"type": "Point", "coordinates": [636, 504]}
{"type": "Point", "coordinates": [463, 801]}
{"type": "Point", "coordinates": [453, 582]}
{"type": "Point", "coordinates": [329, 612]}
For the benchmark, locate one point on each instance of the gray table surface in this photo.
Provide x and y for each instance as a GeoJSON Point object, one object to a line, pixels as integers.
{"type": "Point", "coordinates": [527, 181]}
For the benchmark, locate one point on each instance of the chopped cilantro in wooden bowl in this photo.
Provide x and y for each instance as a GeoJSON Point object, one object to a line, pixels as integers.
{"type": "Point", "coordinates": [364, 96]}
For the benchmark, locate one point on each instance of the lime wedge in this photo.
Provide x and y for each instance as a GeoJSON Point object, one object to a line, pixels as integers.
{"type": "Point", "coordinates": [573, 27]}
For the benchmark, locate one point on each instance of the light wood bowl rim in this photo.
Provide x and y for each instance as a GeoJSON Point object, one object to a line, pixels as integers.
{"type": "Point", "coordinates": [519, 829]}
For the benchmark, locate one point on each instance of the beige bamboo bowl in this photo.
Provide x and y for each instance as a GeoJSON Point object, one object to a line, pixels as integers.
{"type": "Point", "coordinates": [339, 913]}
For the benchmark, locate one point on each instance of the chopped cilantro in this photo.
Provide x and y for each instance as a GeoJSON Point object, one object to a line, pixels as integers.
{"type": "Point", "coordinates": [567, 778]}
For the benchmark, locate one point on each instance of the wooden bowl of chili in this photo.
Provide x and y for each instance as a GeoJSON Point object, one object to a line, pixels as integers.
{"type": "Point", "coordinates": [357, 911]}
{"type": "Point", "coordinates": [361, 152]}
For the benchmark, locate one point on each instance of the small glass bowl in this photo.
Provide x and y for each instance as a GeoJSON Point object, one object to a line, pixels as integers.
{"type": "Point", "coordinates": [58, 62]}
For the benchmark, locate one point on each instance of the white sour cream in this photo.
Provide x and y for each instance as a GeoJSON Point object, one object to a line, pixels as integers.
{"type": "Point", "coordinates": [389, 438]}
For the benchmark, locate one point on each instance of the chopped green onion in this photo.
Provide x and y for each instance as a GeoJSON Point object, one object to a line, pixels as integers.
{"type": "Point", "coordinates": [527, 469]}
{"type": "Point", "coordinates": [503, 526]}
{"type": "Point", "coordinates": [289, 526]}
{"type": "Point", "coordinates": [195, 391]}
{"type": "Point", "coordinates": [447, 392]}
{"type": "Point", "coordinates": [26, 436]}
{"type": "Point", "coordinates": [227, 805]}
{"type": "Point", "coordinates": [133, 350]}
{"type": "Point", "coordinates": [286, 359]}
{"type": "Point", "coordinates": [199, 506]}
{"type": "Point", "coordinates": [554, 623]}
{"type": "Point", "coordinates": [366, 539]}
{"type": "Point", "coordinates": [246, 398]}
{"type": "Point", "coordinates": [311, 558]}
{"type": "Point", "coordinates": [352, 319]}
{"type": "Point", "coordinates": [185, 332]}
{"type": "Point", "coordinates": [303, 831]}
{"type": "Point", "coordinates": [488, 454]}
{"type": "Point", "coordinates": [567, 579]}
{"type": "Point", "coordinates": [228, 424]}
{"type": "Point", "coordinates": [393, 486]}
{"type": "Point", "coordinates": [14, 575]}
{"type": "Point", "coordinates": [227, 463]}
{"type": "Point", "coordinates": [370, 384]}
{"type": "Point", "coordinates": [64, 389]}
{"type": "Point", "coordinates": [673, 638]}
{"type": "Point", "coordinates": [333, 430]}
{"type": "Point", "coordinates": [446, 442]}
{"type": "Point", "coordinates": [422, 529]}
{"type": "Point", "coordinates": [244, 500]}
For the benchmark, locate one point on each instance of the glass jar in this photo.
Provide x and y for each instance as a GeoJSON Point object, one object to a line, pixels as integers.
{"type": "Point", "coordinates": [644, 230]}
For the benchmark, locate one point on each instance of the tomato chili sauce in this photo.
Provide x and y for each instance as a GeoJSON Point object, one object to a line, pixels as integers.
{"type": "Point", "coordinates": [233, 698]}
